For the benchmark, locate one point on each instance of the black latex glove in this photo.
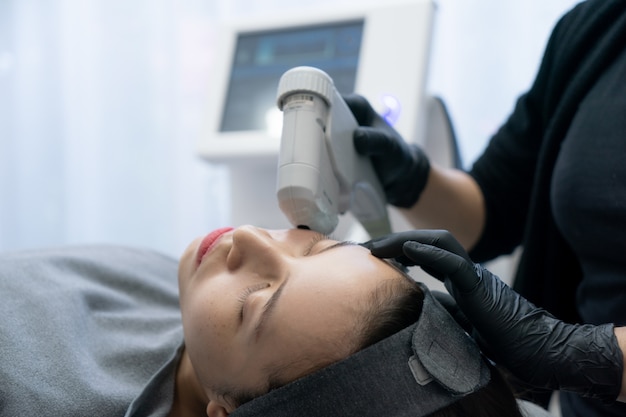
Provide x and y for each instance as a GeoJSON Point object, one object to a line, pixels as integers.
{"type": "Point", "coordinates": [535, 346]}
{"type": "Point", "coordinates": [401, 167]}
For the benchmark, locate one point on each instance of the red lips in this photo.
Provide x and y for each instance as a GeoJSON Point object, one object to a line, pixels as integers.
{"type": "Point", "coordinates": [209, 241]}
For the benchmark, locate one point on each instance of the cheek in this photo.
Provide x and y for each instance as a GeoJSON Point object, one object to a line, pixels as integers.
{"type": "Point", "coordinates": [315, 323]}
{"type": "Point", "coordinates": [203, 302]}
{"type": "Point", "coordinates": [204, 316]}
{"type": "Point", "coordinates": [205, 328]}
{"type": "Point", "coordinates": [207, 342]}
{"type": "Point", "coordinates": [216, 350]}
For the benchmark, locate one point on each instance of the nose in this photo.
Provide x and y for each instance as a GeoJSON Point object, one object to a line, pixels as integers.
{"type": "Point", "coordinates": [257, 251]}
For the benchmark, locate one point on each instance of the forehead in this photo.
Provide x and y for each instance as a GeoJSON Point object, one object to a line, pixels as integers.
{"type": "Point", "coordinates": [345, 257]}
{"type": "Point", "coordinates": [336, 275]}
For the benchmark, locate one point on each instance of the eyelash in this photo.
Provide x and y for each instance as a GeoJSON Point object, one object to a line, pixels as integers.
{"type": "Point", "coordinates": [317, 238]}
{"type": "Point", "coordinates": [241, 299]}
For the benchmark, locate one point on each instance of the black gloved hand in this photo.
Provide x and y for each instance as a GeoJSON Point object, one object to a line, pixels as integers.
{"type": "Point", "coordinates": [535, 346]}
{"type": "Point", "coordinates": [401, 167]}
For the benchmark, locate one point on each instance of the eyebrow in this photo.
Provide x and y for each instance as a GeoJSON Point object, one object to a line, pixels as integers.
{"type": "Point", "coordinates": [270, 305]}
{"type": "Point", "coordinates": [338, 245]}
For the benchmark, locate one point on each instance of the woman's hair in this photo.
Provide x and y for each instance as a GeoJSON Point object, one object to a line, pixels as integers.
{"type": "Point", "coordinates": [396, 305]}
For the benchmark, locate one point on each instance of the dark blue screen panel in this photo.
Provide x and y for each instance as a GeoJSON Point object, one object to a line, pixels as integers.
{"type": "Point", "coordinates": [262, 57]}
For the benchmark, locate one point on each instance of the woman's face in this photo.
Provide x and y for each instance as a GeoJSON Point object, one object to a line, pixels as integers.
{"type": "Point", "coordinates": [258, 302]}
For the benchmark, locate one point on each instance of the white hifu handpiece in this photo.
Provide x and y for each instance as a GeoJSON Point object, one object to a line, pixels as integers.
{"type": "Point", "coordinates": [320, 174]}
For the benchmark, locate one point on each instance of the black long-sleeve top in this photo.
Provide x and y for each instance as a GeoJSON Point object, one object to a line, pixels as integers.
{"type": "Point", "coordinates": [554, 175]}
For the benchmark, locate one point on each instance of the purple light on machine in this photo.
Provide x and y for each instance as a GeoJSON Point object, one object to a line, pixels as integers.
{"type": "Point", "coordinates": [391, 109]}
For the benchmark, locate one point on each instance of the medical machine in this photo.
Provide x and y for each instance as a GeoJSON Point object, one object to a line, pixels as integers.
{"type": "Point", "coordinates": [320, 175]}
{"type": "Point", "coordinates": [379, 51]}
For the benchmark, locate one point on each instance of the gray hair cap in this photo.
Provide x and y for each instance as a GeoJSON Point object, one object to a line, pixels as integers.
{"type": "Point", "coordinates": [415, 372]}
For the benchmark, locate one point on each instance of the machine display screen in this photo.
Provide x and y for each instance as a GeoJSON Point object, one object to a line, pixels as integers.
{"type": "Point", "coordinates": [262, 57]}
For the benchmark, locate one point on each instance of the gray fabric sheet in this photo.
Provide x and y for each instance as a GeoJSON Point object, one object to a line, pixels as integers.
{"type": "Point", "coordinates": [84, 330]}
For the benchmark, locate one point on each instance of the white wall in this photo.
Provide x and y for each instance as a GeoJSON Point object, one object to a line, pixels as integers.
{"type": "Point", "coordinates": [101, 103]}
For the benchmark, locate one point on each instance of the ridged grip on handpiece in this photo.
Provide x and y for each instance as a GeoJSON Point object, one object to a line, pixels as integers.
{"type": "Point", "coordinates": [305, 80]}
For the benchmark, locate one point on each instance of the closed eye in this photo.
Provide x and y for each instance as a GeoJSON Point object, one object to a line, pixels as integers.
{"type": "Point", "coordinates": [317, 237]}
{"type": "Point", "coordinates": [241, 299]}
